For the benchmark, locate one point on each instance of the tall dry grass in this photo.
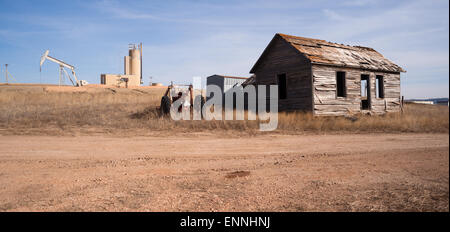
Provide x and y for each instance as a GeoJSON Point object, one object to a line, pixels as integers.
{"type": "Point", "coordinates": [31, 110]}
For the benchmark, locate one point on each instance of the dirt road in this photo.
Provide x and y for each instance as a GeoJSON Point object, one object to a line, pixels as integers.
{"type": "Point", "coordinates": [379, 172]}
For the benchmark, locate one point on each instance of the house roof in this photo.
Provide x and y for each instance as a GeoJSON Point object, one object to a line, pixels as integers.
{"type": "Point", "coordinates": [250, 81]}
{"type": "Point", "coordinates": [327, 53]}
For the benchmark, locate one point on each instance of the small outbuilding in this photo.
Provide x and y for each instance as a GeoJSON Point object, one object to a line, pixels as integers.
{"type": "Point", "coordinates": [327, 78]}
{"type": "Point", "coordinates": [225, 83]}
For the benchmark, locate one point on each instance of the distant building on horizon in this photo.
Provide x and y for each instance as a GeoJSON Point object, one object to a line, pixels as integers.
{"type": "Point", "coordinates": [430, 101]}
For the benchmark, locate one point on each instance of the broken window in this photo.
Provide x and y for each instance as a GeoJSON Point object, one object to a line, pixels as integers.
{"type": "Point", "coordinates": [364, 83]}
{"type": "Point", "coordinates": [379, 85]}
{"type": "Point", "coordinates": [282, 86]}
{"type": "Point", "coordinates": [365, 92]}
{"type": "Point", "coordinates": [340, 85]}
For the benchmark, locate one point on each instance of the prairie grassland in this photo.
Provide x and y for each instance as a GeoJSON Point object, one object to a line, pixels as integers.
{"type": "Point", "coordinates": [37, 110]}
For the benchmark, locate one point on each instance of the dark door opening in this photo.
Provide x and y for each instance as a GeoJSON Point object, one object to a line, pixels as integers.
{"type": "Point", "coordinates": [282, 87]}
{"type": "Point", "coordinates": [365, 92]}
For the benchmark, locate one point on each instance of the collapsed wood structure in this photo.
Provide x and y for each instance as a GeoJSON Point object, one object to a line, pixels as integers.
{"type": "Point", "coordinates": [328, 78]}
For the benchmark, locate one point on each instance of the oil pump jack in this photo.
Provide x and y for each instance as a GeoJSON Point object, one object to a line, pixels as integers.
{"type": "Point", "coordinates": [62, 71]}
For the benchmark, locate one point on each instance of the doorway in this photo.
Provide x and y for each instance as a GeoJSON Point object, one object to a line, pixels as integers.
{"type": "Point", "coordinates": [365, 92]}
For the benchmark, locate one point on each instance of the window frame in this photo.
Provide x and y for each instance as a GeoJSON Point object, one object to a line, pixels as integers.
{"type": "Point", "coordinates": [344, 82]}
{"type": "Point", "coordinates": [368, 88]}
{"type": "Point", "coordinates": [379, 82]}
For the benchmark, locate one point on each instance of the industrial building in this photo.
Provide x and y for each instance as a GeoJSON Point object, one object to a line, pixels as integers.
{"type": "Point", "coordinates": [328, 78]}
{"type": "Point", "coordinates": [431, 101]}
{"type": "Point", "coordinates": [132, 70]}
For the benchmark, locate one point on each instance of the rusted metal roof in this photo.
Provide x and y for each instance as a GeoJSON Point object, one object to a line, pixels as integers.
{"type": "Point", "coordinates": [327, 53]}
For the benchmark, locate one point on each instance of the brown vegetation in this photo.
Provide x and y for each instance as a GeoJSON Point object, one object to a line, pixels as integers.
{"type": "Point", "coordinates": [50, 110]}
{"type": "Point", "coordinates": [207, 171]}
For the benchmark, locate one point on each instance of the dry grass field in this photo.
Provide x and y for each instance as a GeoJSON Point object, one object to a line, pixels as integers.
{"type": "Point", "coordinates": [51, 110]}
{"type": "Point", "coordinates": [107, 149]}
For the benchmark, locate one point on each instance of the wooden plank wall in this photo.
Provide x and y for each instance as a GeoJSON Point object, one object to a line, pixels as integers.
{"type": "Point", "coordinates": [391, 101]}
{"type": "Point", "coordinates": [327, 103]}
{"type": "Point", "coordinates": [283, 58]}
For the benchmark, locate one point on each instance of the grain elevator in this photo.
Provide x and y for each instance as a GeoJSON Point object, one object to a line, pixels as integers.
{"type": "Point", "coordinates": [132, 70]}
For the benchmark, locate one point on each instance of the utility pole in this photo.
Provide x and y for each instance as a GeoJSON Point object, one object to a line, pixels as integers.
{"type": "Point", "coordinates": [140, 50]}
{"type": "Point", "coordinates": [60, 74]}
{"type": "Point", "coordinates": [6, 72]}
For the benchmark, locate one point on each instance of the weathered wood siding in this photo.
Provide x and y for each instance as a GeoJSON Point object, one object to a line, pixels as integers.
{"type": "Point", "coordinates": [326, 101]}
{"type": "Point", "coordinates": [391, 100]}
{"type": "Point", "coordinates": [281, 58]}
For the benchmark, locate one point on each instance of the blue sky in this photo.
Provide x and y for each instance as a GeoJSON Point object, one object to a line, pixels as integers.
{"type": "Point", "coordinates": [183, 39]}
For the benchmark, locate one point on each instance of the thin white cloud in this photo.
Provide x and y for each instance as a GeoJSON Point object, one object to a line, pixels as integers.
{"type": "Point", "coordinates": [413, 34]}
{"type": "Point", "coordinates": [203, 14]}
{"type": "Point", "coordinates": [359, 3]}
{"type": "Point", "coordinates": [113, 8]}
{"type": "Point", "coordinates": [222, 53]}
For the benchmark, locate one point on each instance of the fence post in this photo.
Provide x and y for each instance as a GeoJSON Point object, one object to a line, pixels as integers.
{"type": "Point", "coordinates": [402, 103]}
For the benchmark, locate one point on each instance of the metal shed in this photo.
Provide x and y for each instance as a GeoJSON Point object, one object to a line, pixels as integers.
{"type": "Point", "coordinates": [224, 82]}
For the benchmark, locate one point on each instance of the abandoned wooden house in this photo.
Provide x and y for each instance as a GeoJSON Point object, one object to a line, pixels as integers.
{"type": "Point", "coordinates": [327, 78]}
